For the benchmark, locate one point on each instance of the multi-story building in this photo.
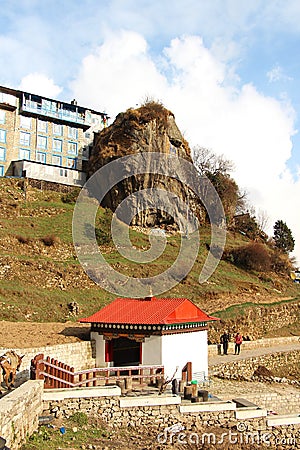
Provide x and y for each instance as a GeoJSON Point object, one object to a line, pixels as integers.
{"type": "Point", "coordinates": [45, 139]}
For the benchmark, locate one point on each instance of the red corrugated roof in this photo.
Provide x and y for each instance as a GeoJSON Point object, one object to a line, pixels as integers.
{"type": "Point", "coordinates": [149, 311]}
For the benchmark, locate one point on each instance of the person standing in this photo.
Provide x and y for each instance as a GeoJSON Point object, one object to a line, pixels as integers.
{"type": "Point", "coordinates": [224, 341]}
{"type": "Point", "coordinates": [238, 340]}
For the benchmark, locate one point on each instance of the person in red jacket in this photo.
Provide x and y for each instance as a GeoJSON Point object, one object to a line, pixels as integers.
{"type": "Point", "coordinates": [238, 340]}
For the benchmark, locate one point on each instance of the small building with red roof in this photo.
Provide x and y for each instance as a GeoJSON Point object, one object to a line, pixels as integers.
{"type": "Point", "coordinates": [151, 331]}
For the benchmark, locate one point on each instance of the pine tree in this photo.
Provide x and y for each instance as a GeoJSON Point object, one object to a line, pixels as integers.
{"type": "Point", "coordinates": [283, 237]}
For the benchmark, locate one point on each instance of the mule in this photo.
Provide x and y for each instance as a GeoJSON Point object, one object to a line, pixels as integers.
{"type": "Point", "coordinates": [10, 363]}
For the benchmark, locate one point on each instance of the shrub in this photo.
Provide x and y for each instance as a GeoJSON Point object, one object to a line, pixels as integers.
{"type": "Point", "coordinates": [70, 197]}
{"type": "Point", "coordinates": [50, 240]}
{"type": "Point", "coordinates": [253, 256]}
{"type": "Point", "coordinates": [23, 239]}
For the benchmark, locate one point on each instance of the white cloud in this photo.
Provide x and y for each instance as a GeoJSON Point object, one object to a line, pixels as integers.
{"type": "Point", "coordinates": [40, 84]}
{"type": "Point", "coordinates": [277, 74]}
{"type": "Point", "coordinates": [251, 129]}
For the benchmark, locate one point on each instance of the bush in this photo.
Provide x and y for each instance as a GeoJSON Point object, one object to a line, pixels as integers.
{"type": "Point", "coordinates": [70, 197]}
{"type": "Point", "coordinates": [50, 240]}
{"type": "Point", "coordinates": [253, 256]}
{"type": "Point", "coordinates": [23, 239]}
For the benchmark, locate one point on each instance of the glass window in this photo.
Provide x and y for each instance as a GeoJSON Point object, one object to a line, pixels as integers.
{"type": "Point", "coordinates": [3, 136]}
{"type": "Point", "coordinates": [72, 132]}
{"type": "Point", "coordinates": [1, 171]}
{"type": "Point", "coordinates": [24, 138]}
{"type": "Point", "coordinates": [72, 148]}
{"type": "Point", "coordinates": [56, 160]}
{"type": "Point", "coordinates": [41, 157]}
{"type": "Point", "coordinates": [57, 129]}
{"type": "Point", "coordinates": [42, 126]}
{"type": "Point", "coordinates": [2, 116]}
{"type": "Point", "coordinates": [25, 122]}
{"type": "Point", "coordinates": [2, 154]}
{"type": "Point", "coordinates": [71, 163]}
{"type": "Point", "coordinates": [63, 173]}
{"type": "Point", "coordinates": [24, 154]}
{"type": "Point", "coordinates": [87, 135]}
{"type": "Point", "coordinates": [42, 142]}
{"type": "Point", "coordinates": [57, 145]}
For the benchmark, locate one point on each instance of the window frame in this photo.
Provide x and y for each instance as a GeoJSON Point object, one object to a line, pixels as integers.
{"type": "Point", "coordinates": [39, 122]}
{"type": "Point", "coordinates": [73, 133]}
{"type": "Point", "coordinates": [4, 153]}
{"type": "Point", "coordinates": [24, 150]}
{"type": "Point", "coordinates": [4, 135]}
{"type": "Point", "coordinates": [55, 149]}
{"type": "Point", "coordinates": [22, 118]}
{"type": "Point", "coordinates": [70, 152]}
{"type": "Point", "coordinates": [60, 127]}
{"type": "Point", "coordinates": [43, 138]}
{"type": "Point", "coordinates": [3, 114]}
{"type": "Point", "coordinates": [60, 158]}
{"type": "Point", "coordinates": [25, 142]}
{"type": "Point", "coordinates": [44, 155]}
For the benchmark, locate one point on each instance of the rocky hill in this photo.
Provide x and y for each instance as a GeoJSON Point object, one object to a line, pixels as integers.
{"type": "Point", "coordinates": [150, 128]}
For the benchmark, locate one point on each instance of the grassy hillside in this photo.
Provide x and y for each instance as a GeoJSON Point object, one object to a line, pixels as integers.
{"type": "Point", "coordinates": [40, 273]}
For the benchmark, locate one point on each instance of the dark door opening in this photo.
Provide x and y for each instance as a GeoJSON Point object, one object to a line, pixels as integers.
{"type": "Point", "coordinates": [126, 352]}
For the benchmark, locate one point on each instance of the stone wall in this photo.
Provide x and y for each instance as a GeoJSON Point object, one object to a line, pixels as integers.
{"type": "Point", "coordinates": [199, 423]}
{"type": "Point", "coordinates": [243, 369]}
{"type": "Point", "coordinates": [274, 401]}
{"type": "Point", "coordinates": [19, 412]}
{"type": "Point", "coordinates": [257, 321]}
{"type": "Point", "coordinates": [79, 355]}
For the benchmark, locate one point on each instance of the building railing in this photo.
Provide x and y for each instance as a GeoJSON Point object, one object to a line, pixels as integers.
{"type": "Point", "coordinates": [59, 375]}
{"type": "Point", "coordinates": [61, 114]}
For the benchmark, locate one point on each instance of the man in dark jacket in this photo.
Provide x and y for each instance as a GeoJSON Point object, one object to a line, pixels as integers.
{"type": "Point", "coordinates": [224, 341]}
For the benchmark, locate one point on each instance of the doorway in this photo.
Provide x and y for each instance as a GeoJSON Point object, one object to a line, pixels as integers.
{"type": "Point", "coordinates": [126, 352]}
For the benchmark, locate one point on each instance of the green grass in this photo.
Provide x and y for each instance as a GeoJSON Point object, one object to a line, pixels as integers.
{"type": "Point", "coordinates": [75, 431]}
{"type": "Point", "coordinates": [22, 298]}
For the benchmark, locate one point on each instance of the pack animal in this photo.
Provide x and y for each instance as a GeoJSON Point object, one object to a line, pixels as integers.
{"type": "Point", "coordinates": [10, 363]}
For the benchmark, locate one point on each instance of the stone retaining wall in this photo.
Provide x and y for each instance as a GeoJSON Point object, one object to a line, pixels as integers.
{"type": "Point", "coordinates": [19, 412]}
{"type": "Point", "coordinates": [274, 401]}
{"type": "Point", "coordinates": [243, 369]}
{"type": "Point", "coordinates": [202, 422]}
{"type": "Point", "coordinates": [79, 355]}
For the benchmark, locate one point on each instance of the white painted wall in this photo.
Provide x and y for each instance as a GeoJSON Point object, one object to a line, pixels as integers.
{"type": "Point", "coordinates": [100, 349]}
{"type": "Point", "coordinates": [178, 349]}
{"type": "Point", "coordinates": [47, 172]}
{"type": "Point", "coordinates": [169, 350]}
{"type": "Point", "coordinates": [151, 350]}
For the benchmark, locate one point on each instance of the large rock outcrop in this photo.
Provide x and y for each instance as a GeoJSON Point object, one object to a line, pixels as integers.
{"type": "Point", "coordinates": [150, 128]}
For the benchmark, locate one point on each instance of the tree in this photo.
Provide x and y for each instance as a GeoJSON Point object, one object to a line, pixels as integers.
{"type": "Point", "coordinates": [283, 237]}
{"type": "Point", "coordinates": [216, 168]}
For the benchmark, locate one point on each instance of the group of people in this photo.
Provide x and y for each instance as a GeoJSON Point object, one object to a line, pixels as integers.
{"type": "Point", "coordinates": [225, 338]}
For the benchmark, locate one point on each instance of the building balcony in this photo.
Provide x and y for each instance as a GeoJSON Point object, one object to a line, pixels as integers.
{"type": "Point", "coordinates": [56, 113]}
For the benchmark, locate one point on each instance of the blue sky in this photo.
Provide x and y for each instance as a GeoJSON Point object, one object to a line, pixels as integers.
{"type": "Point", "coordinates": [228, 69]}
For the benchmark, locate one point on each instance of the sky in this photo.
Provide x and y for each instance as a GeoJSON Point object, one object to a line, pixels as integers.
{"type": "Point", "coordinates": [229, 70]}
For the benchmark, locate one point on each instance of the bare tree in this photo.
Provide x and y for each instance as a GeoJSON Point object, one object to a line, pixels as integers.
{"type": "Point", "coordinates": [206, 161]}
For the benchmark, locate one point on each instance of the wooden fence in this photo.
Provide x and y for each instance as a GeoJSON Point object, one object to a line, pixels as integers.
{"type": "Point", "coordinates": [59, 375]}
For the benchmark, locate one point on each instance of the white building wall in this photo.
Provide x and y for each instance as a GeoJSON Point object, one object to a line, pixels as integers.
{"type": "Point", "coordinates": [100, 349]}
{"type": "Point", "coordinates": [151, 350]}
{"type": "Point", "coordinates": [47, 172]}
{"type": "Point", "coordinates": [178, 349]}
